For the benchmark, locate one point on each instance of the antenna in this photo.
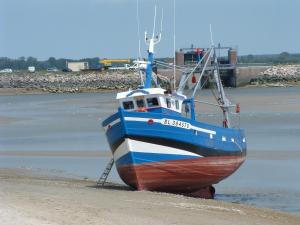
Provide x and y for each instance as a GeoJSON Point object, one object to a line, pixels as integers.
{"type": "Point", "coordinates": [138, 29]}
{"type": "Point", "coordinates": [161, 21]}
{"type": "Point", "coordinates": [151, 42]}
{"type": "Point", "coordinates": [154, 39]}
{"type": "Point", "coordinates": [154, 22]}
{"type": "Point", "coordinates": [139, 55]}
{"type": "Point", "coordinates": [174, 44]}
{"type": "Point", "coordinates": [211, 36]}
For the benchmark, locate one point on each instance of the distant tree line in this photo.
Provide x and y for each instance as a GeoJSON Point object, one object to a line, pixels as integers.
{"type": "Point", "coordinates": [282, 58]}
{"type": "Point", "coordinates": [23, 63]}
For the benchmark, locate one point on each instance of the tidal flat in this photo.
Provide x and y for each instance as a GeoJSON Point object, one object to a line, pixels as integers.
{"type": "Point", "coordinates": [60, 136]}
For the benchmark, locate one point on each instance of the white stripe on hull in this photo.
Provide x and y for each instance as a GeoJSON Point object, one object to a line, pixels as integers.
{"type": "Point", "coordinates": [140, 119]}
{"type": "Point", "coordinates": [111, 124]}
{"type": "Point", "coordinates": [121, 150]}
{"type": "Point", "coordinates": [130, 145]}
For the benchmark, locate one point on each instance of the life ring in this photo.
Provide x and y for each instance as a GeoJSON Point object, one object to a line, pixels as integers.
{"type": "Point", "coordinates": [142, 109]}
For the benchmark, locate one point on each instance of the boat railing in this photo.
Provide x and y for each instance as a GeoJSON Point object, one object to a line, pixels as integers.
{"type": "Point", "coordinates": [235, 115]}
{"type": "Point", "coordinates": [214, 104]}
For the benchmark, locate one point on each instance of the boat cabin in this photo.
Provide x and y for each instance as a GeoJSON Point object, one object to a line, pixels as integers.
{"type": "Point", "coordinates": [151, 100]}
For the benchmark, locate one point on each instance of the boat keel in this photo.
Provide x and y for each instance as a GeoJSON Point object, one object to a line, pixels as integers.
{"type": "Point", "coordinates": [206, 193]}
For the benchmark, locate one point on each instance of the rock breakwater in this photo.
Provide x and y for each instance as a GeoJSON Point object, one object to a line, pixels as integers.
{"type": "Point", "coordinates": [70, 82]}
{"type": "Point", "coordinates": [280, 75]}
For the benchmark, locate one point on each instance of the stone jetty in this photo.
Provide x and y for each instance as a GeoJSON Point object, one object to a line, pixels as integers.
{"type": "Point", "coordinates": [60, 82]}
{"type": "Point", "coordinates": [279, 75]}
{"type": "Point", "coordinates": [95, 81]}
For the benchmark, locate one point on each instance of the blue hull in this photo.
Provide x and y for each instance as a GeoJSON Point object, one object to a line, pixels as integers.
{"type": "Point", "coordinates": [201, 139]}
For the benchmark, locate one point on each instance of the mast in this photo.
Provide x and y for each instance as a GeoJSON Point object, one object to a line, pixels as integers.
{"type": "Point", "coordinates": [151, 42]}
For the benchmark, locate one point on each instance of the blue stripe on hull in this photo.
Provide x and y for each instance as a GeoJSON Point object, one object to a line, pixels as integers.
{"type": "Point", "coordinates": [142, 157]}
{"type": "Point", "coordinates": [201, 143]}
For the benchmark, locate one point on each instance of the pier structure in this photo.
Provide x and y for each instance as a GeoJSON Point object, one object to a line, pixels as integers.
{"type": "Point", "coordinates": [227, 59]}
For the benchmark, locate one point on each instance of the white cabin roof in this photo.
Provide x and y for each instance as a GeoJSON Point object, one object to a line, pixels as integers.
{"type": "Point", "coordinates": [140, 92]}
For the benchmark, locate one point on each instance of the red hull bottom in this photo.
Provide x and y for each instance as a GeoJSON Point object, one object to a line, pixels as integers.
{"type": "Point", "coordinates": [189, 176]}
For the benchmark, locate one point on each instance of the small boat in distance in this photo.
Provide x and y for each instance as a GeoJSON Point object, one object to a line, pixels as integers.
{"type": "Point", "coordinates": [159, 145]}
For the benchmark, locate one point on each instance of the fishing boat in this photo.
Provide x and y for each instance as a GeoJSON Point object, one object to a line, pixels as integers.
{"type": "Point", "coordinates": [157, 142]}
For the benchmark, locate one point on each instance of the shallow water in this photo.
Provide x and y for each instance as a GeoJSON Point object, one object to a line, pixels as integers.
{"type": "Point", "coordinates": [71, 122]}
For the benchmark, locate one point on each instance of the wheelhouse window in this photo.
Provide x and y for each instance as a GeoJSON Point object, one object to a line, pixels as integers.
{"type": "Point", "coordinates": [168, 102]}
{"type": "Point", "coordinates": [128, 105]}
{"type": "Point", "coordinates": [177, 104]}
{"type": "Point", "coordinates": [152, 102]}
{"type": "Point", "coordinates": [140, 103]}
{"type": "Point", "coordinates": [173, 103]}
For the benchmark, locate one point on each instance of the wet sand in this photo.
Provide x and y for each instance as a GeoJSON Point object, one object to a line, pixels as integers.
{"type": "Point", "coordinates": [30, 91]}
{"type": "Point", "coordinates": [57, 153]}
{"type": "Point", "coordinates": [17, 91]}
{"type": "Point", "coordinates": [31, 198]}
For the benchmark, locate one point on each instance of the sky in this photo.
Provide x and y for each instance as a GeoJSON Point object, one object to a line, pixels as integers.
{"type": "Point", "coordinates": [108, 28]}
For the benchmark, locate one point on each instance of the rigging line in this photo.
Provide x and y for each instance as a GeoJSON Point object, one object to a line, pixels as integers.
{"type": "Point", "coordinates": [139, 41]}
{"type": "Point", "coordinates": [138, 29]}
{"type": "Point", "coordinates": [217, 99]}
{"type": "Point", "coordinates": [169, 67]}
{"type": "Point", "coordinates": [204, 83]}
{"type": "Point", "coordinates": [162, 62]}
{"type": "Point", "coordinates": [174, 44]}
{"type": "Point", "coordinates": [199, 63]}
{"type": "Point", "coordinates": [203, 70]}
{"type": "Point", "coordinates": [213, 92]}
{"type": "Point", "coordinates": [207, 103]}
{"type": "Point", "coordinates": [162, 18]}
{"type": "Point", "coordinates": [211, 36]}
{"type": "Point", "coordinates": [181, 68]}
{"type": "Point", "coordinates": [213, 104]}
{"type": "Point", "coordinates": [162, 77]}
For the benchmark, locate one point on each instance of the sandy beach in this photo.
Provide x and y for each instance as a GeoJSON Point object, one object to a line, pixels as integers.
{"type": "Point", "coordinates": [31, 198]}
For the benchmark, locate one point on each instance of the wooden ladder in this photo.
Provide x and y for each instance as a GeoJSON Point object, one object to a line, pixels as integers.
{"type": "Point", "coordinates": [105, 173]}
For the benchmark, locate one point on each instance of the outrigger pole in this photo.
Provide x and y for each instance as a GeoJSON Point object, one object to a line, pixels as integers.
{"type": "Point", "coordinates": [222, 100]}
